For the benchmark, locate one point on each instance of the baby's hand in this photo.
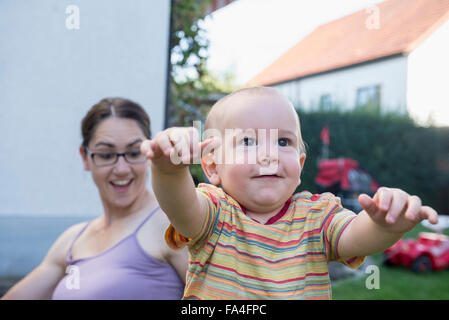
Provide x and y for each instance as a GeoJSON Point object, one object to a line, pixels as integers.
{"type": "Point", "coordinates": [174, 148]}
{"type": "Point", "coordinates": [395, 210]}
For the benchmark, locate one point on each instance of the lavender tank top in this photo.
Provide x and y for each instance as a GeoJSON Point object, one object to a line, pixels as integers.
{"type": "Point", "coordinates": [123, 272]}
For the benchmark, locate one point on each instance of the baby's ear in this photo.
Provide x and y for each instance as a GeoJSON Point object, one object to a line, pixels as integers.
{"type": "Point", "coordinates": [302, 159]}
{"type": "Point", "coordinates": [210, 169]}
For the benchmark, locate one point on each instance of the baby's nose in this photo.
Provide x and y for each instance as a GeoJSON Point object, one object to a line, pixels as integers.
{"type": "Point", "coordinates": [268, 164]}
{"type": "Point", "coordinates": [268, 157]}
{"type": "Point", "coordinates": [265, 161]}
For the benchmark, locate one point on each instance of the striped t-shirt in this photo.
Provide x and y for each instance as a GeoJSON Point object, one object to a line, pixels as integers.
{"type": "Point", "coordinates": [235, 257]}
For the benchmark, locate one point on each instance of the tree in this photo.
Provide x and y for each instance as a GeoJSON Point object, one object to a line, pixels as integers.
{"type": "Point", "coordinates": [188, 90]}
{"type": "Point", "coordinates": [192, 89]}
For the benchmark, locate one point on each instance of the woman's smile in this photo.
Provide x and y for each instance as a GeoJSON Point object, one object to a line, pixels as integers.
{"type": "Point", "coordinates": [121, 186]}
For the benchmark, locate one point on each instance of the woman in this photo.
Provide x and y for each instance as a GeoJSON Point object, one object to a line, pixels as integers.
{"type": "Point", "coordinates": [121, 254]}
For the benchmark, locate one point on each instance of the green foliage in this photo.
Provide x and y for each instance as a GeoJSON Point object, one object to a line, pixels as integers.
{"type": "Point", "coordinates": [197, 173]}
{"type": "Point", "coordinates": [391, 147]}
{"type": "Point", "coordinates": [189, 91]}
{"type": "Point", "coordinates": [190, 82]}
{"type": "Point", "coordinates": [188, 41]}
{"type": "Point", "coordinates": [193, 89]}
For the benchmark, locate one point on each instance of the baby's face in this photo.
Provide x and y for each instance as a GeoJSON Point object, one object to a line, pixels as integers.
{"type": "Point", "coordinates": [261, 160]}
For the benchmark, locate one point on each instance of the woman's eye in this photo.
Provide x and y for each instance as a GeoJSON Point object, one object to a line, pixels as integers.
{"type": "Point", "coordinates": [249, 142]}
{"type": "Point", "coordinates": [283, 142]}
{"type": "Point", "coordinates": [106, 155]}
{"type": "Point", "coordinates": [134, 154]}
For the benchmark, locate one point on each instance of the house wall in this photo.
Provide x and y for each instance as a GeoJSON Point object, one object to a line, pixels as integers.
{"type": "Point", "coordinates": [50, 75]}
{"type": "Point", "coordinates": [428, 84]}
{"type": "Point", "coordinates": [342, 85]}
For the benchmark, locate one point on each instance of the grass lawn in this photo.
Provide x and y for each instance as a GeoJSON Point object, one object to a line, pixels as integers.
{"type": "Point", "coordinates": [396, 283]}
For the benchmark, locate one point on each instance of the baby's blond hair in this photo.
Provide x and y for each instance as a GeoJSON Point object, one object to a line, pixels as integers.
{"type": "Point", "coordinates": [215, 115]}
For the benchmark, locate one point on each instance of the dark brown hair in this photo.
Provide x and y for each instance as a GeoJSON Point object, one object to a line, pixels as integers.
{"type": "Point", "coordinates": [113, 107]}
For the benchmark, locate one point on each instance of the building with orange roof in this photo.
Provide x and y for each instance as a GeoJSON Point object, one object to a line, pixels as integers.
{"type": "Point", "coordinates": [217, 5]}
{"type": "Point", "coordinates": [393, 56]}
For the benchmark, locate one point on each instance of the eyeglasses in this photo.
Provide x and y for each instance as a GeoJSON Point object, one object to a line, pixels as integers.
{"type": "Point", "coordinates": [102, 159]}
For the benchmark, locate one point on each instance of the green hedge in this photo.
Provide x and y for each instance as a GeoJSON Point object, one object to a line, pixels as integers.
{"type": "Point", "coordinates": [391, 147]}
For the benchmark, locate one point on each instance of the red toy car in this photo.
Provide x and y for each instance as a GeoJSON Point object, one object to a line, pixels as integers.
{"type": "Point", "coordinates": [346, 179]}
{"type": "Point", "coordinates": [429, 252]}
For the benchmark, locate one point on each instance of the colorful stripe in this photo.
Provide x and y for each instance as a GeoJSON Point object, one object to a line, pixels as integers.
{"type": "Point", "coordinates": [234, 257]}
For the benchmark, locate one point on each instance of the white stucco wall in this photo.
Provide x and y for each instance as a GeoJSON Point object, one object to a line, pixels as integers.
{"type": "Point", "coordinates": [428, 78]}
{"type": "Point", "coordinates": [342, 85]}
{"type": "Point", "coordinates": [50, 76]}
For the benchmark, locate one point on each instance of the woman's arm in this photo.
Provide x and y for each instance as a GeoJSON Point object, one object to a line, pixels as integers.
{"type": "Point", "coordinates": [180, 261]}
{"type": "Point", "coordinates": [42, 281]}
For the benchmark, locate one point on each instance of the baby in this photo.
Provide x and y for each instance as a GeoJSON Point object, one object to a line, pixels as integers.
{"type": "Point", "coordinates": [249, 235]}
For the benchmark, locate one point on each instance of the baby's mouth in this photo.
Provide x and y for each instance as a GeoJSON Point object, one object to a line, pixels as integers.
{"type": "Point", "coordinates": [267, 176]}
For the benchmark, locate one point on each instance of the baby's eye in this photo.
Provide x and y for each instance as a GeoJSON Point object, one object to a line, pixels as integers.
{"type": "Point", "coordinates": [248, 142]}
{"type": "Point", "coordinates": [284, 142]}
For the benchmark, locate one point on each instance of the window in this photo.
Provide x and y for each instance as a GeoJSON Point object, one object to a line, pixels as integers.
{"type": "Point", "coordinates": [325, 102]}
{"type": "Point", "coordinates": [368, 97]}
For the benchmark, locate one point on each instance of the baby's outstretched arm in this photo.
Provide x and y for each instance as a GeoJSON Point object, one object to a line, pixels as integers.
{"type": "Point", "coordinates": [385, 219]}
{"type": "Point", "coordinates": [171, 151]}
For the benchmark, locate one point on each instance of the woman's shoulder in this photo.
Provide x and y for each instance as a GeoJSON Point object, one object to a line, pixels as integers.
{"type": "Point", "coordinates": [71, 232]}
{"type": "Point", "coordinates": [60, 247]}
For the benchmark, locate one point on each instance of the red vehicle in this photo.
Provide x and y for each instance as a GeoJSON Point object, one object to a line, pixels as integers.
{"type": "Point", "coordinates": [346, 179]}
{"type": "Point", "coordinates": [429, 252]}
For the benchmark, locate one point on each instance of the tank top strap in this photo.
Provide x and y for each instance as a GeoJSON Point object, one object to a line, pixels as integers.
{"type": "Point", "coordinates": [69, 252]}
{"type": "Point", "coordinates": [146, 219]}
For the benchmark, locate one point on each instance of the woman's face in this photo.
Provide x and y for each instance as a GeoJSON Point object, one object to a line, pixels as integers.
{"type": "Point", "coordinates": [120, 184]}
